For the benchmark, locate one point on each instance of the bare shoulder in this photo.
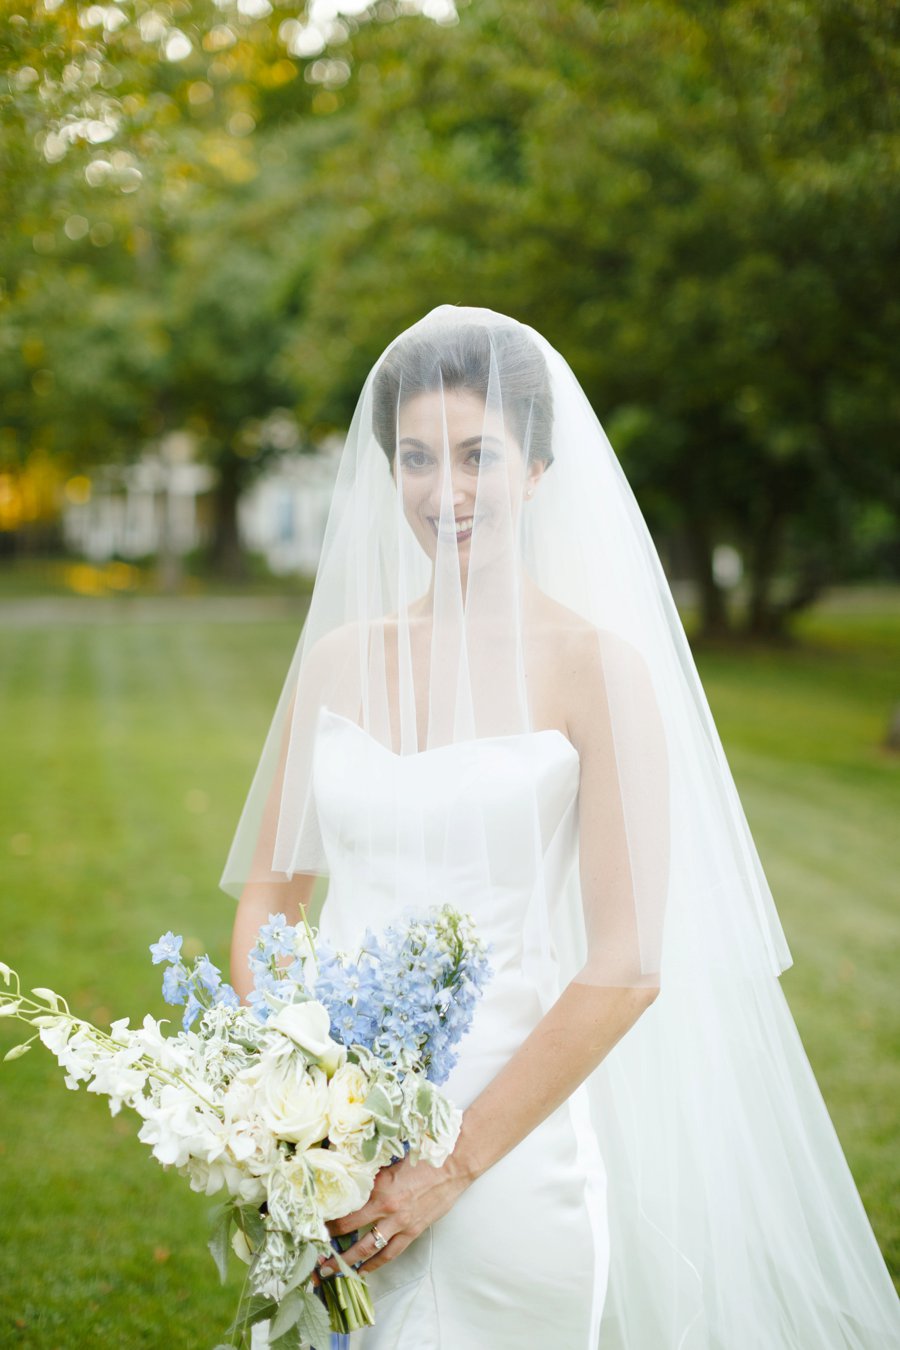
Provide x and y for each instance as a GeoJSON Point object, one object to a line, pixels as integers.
{"type": "Point", "coordinates": [581, 664]}
{"type": "Point", "coordinates": [327, 664]}
{"type": "Point", "coordinates": [335, 645]}
{"type": "Point", "coordinates": [577, 643]}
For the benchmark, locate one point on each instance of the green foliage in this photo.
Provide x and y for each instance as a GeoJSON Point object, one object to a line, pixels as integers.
{"type": "Point", "coordinates": [696, 202]}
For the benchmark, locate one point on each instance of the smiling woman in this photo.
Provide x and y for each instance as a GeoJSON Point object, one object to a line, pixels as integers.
{"type": "Point", "coordinates": [480, 464]}
{"type": "Point", "coordinates": [493, 705]}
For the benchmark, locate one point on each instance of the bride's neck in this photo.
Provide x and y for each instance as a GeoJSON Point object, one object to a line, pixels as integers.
{"type": "Point", "coordinates": [529, 593]}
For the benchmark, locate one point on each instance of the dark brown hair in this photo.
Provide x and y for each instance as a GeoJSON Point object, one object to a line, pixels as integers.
{"type": "Point", "coordinates": [458, 356]}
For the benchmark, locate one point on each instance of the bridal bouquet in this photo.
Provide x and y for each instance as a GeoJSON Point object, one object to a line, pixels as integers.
{"type": "Point", "coordinates": [289, 1105]}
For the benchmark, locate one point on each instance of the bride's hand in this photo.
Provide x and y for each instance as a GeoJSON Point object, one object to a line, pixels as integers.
{"type": "Point", "coordinates": [405, 1200]}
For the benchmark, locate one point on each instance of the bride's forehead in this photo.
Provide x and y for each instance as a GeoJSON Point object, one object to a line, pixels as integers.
{"type": "Point", "coordinates": [460, 413]}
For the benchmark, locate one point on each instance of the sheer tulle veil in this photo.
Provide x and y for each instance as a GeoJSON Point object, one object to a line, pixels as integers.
{"type": "Point", "coordinates": [734, 1220]}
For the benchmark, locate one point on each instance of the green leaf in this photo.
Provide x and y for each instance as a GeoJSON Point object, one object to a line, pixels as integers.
{"type": "Point", "coordinates": [369, 1148]}
{"type": "Point", "coordinates": [377, 1102]}
{"type": "Point", "coordinates": [249, 1219]}
{"type": "Point", "coordinates": [306, 1264]}
{"type": "Point", "coordinates": [288, 1314]}
{"type": "Point", "coordinates": [18, 1051]}
{"type": "Point", "coordinates": [257, 1309]}
{"type": "Point", "coordinates": [314, 1324]}
{"type": "Point", "coordinates": [220, 1228]}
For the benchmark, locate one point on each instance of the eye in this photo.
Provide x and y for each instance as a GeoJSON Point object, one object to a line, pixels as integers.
{"type": "Point", "coordinates": [415, 459]}
{"type": "Point", "coordinates": [482, 457]}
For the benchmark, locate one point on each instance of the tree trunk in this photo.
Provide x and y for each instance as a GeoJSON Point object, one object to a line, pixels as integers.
{"type": "Point", "coordinates": [764, 619]}
{"type": "Point", "coordinates": [714, 621]}
{"type": "Point", "coordinates": [226, 553]}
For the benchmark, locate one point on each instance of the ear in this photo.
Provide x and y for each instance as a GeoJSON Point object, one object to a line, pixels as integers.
{"type": "Point", "coordinates": [533, 476]}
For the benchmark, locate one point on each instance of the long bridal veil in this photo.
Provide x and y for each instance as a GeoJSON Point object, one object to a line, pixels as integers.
{"type": "Point", "coordinates": [481, 532]}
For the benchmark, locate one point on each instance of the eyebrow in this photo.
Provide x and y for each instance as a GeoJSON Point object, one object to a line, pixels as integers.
{"type": "Point", "coordinates": [463, 445]}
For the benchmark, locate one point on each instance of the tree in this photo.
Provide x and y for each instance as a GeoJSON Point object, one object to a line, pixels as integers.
{"type": "Point", "coordinates": [696, 202]}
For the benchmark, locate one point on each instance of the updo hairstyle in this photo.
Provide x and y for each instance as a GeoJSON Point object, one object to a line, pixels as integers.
{"type": "Point", "coordinates": [458, 356]}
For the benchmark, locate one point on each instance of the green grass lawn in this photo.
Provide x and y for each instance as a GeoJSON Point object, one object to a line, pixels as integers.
{"type": "Point", "coordinates": [127, 751]}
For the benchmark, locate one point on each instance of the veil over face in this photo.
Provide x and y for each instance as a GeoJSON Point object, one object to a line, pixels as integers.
{"type": "Point", "coordinates": [482, 542]}
{"type": "Point", "coordinates": [484, 557]}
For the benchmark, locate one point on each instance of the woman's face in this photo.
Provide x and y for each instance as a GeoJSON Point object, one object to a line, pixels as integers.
{"type": "Point", "coordinates": [488, 475]}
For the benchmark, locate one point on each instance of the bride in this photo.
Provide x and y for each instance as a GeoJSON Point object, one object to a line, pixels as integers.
{"type": "Point", "coordinates": [493, 703]}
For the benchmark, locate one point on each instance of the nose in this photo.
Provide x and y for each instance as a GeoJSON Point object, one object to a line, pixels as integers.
{"type": "Point", "coordinates": [459, 493]}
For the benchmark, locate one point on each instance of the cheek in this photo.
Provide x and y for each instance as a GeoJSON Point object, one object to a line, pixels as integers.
{"type": "Point", "coordinates": [413, 497]}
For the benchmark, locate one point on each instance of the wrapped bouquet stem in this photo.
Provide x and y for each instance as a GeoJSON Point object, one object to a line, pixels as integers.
{"type": "Point", "coordinates": [287, 1106]}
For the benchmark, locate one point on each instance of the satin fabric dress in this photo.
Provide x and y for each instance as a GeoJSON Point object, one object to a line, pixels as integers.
{"type": "Point", "coordinates": [522, 1258]}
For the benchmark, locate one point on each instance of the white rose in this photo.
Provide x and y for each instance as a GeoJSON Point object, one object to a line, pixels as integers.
{"type": "Point", "coordinates": [340, 1186]}
{"type": "Point", "coordinates": [308, 1025]}
{"type": "Point", "coordinates": [349, 1120]}
{"type": "Point", "coordinates": [292, 1100]}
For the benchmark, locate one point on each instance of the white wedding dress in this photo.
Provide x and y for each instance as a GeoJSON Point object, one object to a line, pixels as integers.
{"type": "Point", "coordinates": [522, 1258]}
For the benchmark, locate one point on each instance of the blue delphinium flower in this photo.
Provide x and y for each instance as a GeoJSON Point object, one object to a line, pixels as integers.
{"type": "Point", "coordinates": [208, 974]}
{"type": "Point", "coordinates": [278, 936]}
{"type": "Point", "coordinates": [265, 991]}
{"type": "Point", "coordinates": [175, 984]}
{"type": "Point", "coordinates": [192, 1011]}
{"type": "Point", "coordinates": [227, 996]}
{"type": "Point", "coordinates": [198, 989]}
{"type": "Point", "coordinates": [167, 949]}
{"type": "Point", "coordinates": [351, 993]}
{"type": "Point", "coordinates": [410, 995]}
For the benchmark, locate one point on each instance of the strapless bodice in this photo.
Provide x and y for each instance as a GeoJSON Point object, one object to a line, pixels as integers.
{"type": "Point", "coordinates": [487, 825]}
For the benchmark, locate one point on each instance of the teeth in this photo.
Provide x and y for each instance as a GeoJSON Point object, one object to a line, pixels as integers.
{"type": "Point", "coordinates": [461, 526]}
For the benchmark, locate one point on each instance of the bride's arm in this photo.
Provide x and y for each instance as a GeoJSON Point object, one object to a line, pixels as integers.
{"type": "Point", "coordinates": [591, 1014]}
{"type": "Point", "coordinates": [259, 900]}
{"type": "Point", "coordinates": [609, 994]}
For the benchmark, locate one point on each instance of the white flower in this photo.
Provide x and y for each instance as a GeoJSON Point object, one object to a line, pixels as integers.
{"type": "Point", "coordinates": [308, 1025]}
{"type": "Point", "coordinates": [55, 1032]}
{"type": "Point", "coordinates": [224, 1173]}
{"type": "Point", "coordinates": [167, 1051]}
{"type": "Point", "coordinates": [292, 1100]}
{"type": "Point", "coordinates": [349, 1120]}
{"type": "Point", "coordinates": [77, 1054]}
{"type": "Point", "coordinates": [431, 1151]}
{"type": "Point", "coordinates": [116, 1077]}
{"type": "Point", "coordinates": [119, 1030]}
{"type": "Point", "coordinates": [179, 1129]}
{"type": "Point", "coordinates": [340, 1185]}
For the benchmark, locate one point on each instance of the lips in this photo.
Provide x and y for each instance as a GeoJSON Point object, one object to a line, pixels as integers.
{"type": "Point", "coordinates": [463, 528]}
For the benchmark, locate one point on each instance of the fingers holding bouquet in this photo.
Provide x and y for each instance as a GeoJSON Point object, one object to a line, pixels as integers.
{"type": "Point", "coordinates": [405, 1200]}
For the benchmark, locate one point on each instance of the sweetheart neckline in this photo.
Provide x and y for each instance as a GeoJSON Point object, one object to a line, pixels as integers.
{"type": "Point", "coordinates": [434, 749]}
